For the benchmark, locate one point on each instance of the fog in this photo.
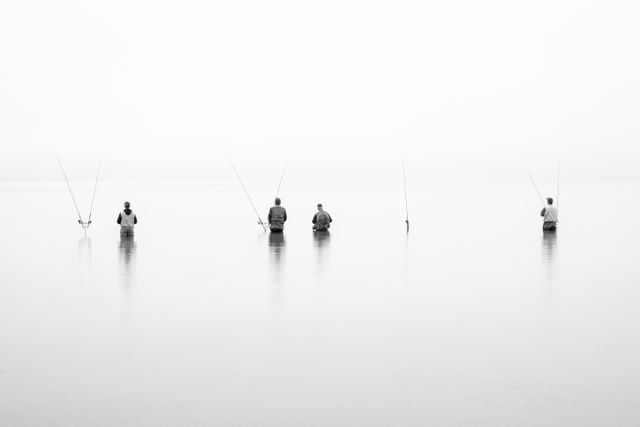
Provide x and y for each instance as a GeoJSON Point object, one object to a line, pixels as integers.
{"type": "Point", "coordinates": [465, 90]}
{"type": "Point", "coordinates": [205, 319]}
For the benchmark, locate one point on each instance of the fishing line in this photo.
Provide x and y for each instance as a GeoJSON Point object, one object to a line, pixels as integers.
{"type": "Point", "coordinates": [406, 202]}
{"type": "Point", "coordinates": [533, 182]}
{"type": "Point", "coordinates": [246, 192]}
{"type": "Point", "coordinates": [284, 168]}
{"type": "Point", "coordinates": [558, 191]}
{"type": "Point", "coordinates": [68, 186]}
{"type": "Point", "coordinates": [95, 187]}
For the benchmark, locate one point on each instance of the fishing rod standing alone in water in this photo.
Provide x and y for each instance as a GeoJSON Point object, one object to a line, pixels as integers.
{"type": "Point", "coordinates": [558, 192]}
{"type": "Point", "coordinates": [84, 224]}
{"type": "Point", "coordinates": [264, 227]}
{"type": "Point", "coordinates": [95, 187]}
{"type": "Point", "coordinates": [406, 202]}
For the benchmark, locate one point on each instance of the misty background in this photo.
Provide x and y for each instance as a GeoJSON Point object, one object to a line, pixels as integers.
{"type": "Point", "coordinates": [464, 89]}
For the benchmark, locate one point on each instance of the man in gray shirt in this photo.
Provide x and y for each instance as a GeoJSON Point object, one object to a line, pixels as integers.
{"type": "Point", "coordinates": [277, 217]}
{"type": "Point", "coordinates": [321, 220]}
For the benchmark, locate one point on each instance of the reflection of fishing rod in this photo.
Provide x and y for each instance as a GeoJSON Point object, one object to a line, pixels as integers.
{"type": "Point", "coordinates": [533, 182]}
{"type": "Point", "coordinates": [406, 202]}
{"type": "Point", "coordinates": [284, 168]}
{"type": "Point", "coordinates": [264, 227]}
{"type": "Point", "coordinates": [80, 221]}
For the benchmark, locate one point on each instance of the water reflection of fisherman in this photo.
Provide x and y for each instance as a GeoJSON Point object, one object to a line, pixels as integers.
{"type": "Point", "coordinates": [277, 258]}
{"type": "Point", "coordinates": [321, 241]}
{"type": "Point", "coordinates": [549, 249]}
{"type": "Point", "coordinates": [322, 238]}
{"type": "Point", "coordinates": [127, 248]}
{"type": "Point", "coordinates": [549, 241]}
{"type": "Point", "coordinates": [277, 252]}
{"type": "Point", "coordinates": [127, 258]}
{"type": "Point", "coordinates": [276, 244]}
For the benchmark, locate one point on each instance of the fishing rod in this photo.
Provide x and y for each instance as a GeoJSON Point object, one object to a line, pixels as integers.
{"type": "Point", "coordinates": [558, 192]}
{"type": "Point", "coordinates": [533, 182]}
{"type": "Point", "coordinates": [264, 227]}
{"type": "Point", "coordinates": [84, 225]}
{"type": "Point", "coordinates": [284, 168]}
{"type": "Point", "coordinates": [406, 202]}
{"type": "Point", "coordinates": [95, 187]}
{"type": "Point", "coordinates": [80, 221]}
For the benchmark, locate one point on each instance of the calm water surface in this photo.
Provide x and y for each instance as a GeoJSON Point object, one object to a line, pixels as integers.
{"type": "Point", "coordinates": [473, 318]}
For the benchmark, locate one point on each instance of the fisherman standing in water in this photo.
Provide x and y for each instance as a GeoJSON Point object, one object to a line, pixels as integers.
{"type": "Point", "coordinates": [321, 220]}
{"type": "Point", "coordinates": [277, 217]}
{"type": "Point", "coordinates": [550, 214]}
{"type": "Point", "coordinates": [127, 220]}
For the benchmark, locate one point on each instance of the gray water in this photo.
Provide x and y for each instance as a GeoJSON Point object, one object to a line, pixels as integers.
{"type": "Point", "coordinates": [473, 318]}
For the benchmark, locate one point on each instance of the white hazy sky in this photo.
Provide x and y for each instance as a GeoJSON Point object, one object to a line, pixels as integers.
{"type": "Point", "coordinates": [465, 88]}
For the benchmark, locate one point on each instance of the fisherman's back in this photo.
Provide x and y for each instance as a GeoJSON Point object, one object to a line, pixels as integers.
{"type": "Point", "coordinates": [551, 214]}
{"type": "Point", "coordinates": [321, 221]}
{"type": "Point", "coordinates": [127, 220]}
{"type": "Point", "coordinates": [550, 218]}
{"type": "Point", "coordinates": [277, 217]}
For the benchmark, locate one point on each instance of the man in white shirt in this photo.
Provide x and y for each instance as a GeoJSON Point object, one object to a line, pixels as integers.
{"type": "Point", "coordinates": [550, 214]}
{"type": "Point", "coordinates": [127, 220]}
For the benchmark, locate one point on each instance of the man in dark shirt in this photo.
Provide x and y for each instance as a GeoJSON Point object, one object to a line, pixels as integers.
{"type": "Point", "coordinates": [277, 217]}
{"type": "Point", "coordinates": [321, 220]}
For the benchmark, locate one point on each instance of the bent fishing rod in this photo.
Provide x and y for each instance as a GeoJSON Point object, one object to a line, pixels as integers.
{"type": "Point", "coordinates": [84, 225]}
{"type": "Point", "coordinates": [264, 227]}
{"type": "Point", "coordinates": [406, 202]}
